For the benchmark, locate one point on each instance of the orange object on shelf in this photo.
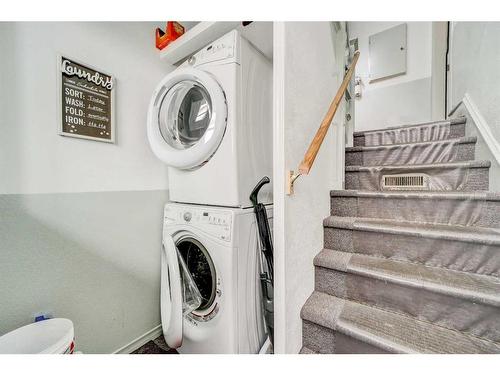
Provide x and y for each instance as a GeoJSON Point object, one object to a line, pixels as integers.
{"type": "Point", "coordinates": [173, 30]}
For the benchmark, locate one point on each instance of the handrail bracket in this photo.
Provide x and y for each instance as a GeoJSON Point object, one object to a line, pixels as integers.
{"type": "Point", "coordinates": [290, 179]}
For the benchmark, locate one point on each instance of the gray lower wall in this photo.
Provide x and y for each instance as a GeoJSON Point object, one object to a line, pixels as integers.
{"type": "Point", "coordinates": [90, 257]}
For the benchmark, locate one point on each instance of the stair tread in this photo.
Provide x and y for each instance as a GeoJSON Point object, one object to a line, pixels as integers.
{"type": "Point", "coordinates": [390, 331]}
{"type": "Point", "coordinates": [483, 235]}
{"type": "Point", "coordinates": [480, 195]}
{"type": "Point", "coordinates": [413, 167]}
{"type": "Point", "coordinates": [398, 145]}
{"type": "Point", "coordinates": [459, 120]}
{"type": "Point", "coordinates": [478, 288]}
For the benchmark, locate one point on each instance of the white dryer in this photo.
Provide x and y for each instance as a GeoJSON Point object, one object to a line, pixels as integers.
{"type": "Point", "coordinates": [210, 121]}
{"type": "Point", "coordinates": [220, 248]}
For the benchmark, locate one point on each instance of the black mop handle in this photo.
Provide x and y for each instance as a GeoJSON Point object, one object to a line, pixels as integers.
{"type": "Point", "coordinates": [263, 226]}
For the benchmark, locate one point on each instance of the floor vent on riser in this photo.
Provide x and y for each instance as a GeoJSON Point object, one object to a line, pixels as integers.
{"type": "Point", "coordinates": [408, 181]}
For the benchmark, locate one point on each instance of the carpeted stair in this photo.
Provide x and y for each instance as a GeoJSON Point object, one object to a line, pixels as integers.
{"type": "Point", "coordinates": [411, 258]}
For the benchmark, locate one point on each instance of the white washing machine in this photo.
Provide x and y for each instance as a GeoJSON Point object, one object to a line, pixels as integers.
{"type": "Point", "coordinates": [210, 121]}
{"type": "Point", "coordinates": [221, 251]}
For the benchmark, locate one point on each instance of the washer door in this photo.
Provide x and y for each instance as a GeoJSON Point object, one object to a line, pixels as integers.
{"type": "Point", "coordinates": [201, 267]}
{"type": "Point", "coordinates": [187, 118]}
{"type": "Point", "coordinates": [171, 294]}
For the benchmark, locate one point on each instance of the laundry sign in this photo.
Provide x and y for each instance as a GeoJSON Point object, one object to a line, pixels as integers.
{"type": "Point", "coordinates": [87, 100]}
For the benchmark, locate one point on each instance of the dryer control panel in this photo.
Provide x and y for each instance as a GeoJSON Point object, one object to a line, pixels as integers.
{"type": "Point", "coordinates": [215, 222]}
{"type": "Point", "coordinates": [224, 48]}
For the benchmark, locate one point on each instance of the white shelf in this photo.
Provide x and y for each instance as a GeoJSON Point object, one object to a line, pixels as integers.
{"type": "Point", "coordinates": [195, 39]}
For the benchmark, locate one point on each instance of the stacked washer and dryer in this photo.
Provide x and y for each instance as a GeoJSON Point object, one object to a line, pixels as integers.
{"type": "Point", "coordinates": [210, 121]}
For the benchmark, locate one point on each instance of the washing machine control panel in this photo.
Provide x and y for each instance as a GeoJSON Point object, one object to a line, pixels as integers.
{"type": "Point", "coordinates": [213, 222]}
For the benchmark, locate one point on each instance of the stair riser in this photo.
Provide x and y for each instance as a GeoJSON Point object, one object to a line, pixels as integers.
{"type": "Point", "coordinates": [445, 310]}
{"type": "Point", "coordinates": [412, 154]}
{"type": "Point", "coordinates": [326, 341]}
{"type": "Point", "coordinates": [466, 179]}
{"type": "Point", "coordinates": [424, 210]}
{"type": "Point", "coordinates": [306, 350]}
{"type": "Point", "coordinates": [456, 131]}
{"type": "Point", "coordinates": [454, 255]}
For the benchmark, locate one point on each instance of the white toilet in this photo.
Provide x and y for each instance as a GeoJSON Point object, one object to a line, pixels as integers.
{"type": "Point", "coordinates": [51, 336]}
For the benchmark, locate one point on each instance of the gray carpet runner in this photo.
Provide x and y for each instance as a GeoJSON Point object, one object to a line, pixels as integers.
{"type": "Point", "coordinates": [411, 258]}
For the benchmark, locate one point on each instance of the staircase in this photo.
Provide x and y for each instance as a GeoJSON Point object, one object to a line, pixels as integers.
{"type": "Point", "coordinates": [411, 258]}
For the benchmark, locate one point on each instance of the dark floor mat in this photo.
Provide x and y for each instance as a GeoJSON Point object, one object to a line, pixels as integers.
{"type": "Point", "coordinates": [156, 346]}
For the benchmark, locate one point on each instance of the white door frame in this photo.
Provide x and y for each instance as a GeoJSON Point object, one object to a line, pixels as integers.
{"type": "Point", "coordinates": [449, 78]}
{"type": "Point", "coordinates": [438, 69]}
{"type": "Point", "coordinates": [279, 186]}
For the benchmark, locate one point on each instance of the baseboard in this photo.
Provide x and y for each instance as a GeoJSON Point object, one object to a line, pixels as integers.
{"type": "Point", "coordinates": [140, 341]}
{"type": "Point", "coordinates": [482, 126]}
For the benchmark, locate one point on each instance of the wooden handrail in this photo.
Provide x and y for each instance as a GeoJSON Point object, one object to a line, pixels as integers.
{"type": "Point", "coordinates": [315, 145]}
{"type": "Point", "coordinates": [312, 151]}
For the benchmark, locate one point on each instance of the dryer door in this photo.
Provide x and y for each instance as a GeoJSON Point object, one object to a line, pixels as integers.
{"type": "Point", "coordinates": [187, 118]}
{"type": "Point", "coordinates": [171, 294]}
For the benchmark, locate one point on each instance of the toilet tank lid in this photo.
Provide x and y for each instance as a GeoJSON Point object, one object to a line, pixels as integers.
{"type": "Point", "coordinates": [47, 336]}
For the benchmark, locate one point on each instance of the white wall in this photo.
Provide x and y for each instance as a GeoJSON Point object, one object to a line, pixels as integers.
{"type": "Point", "coordinates": [306, 74]}
{"type": "Point", "coordinates": [475, 79]}
{"type": "Point", "coordinates": [88, 248]}
{"type": "Point", "coordinates": [397, 100]}
{"type": "Point", "coordinates": [475, 61]}
{"type": "Point", "coordinates": [33, 158]}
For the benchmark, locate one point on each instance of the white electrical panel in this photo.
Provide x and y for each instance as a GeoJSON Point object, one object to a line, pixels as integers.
{"type": "Point", "coordinates": [388, 53]}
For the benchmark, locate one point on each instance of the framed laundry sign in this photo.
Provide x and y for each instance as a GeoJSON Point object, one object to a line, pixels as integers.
{"type": "Point", "coordinates": [86, 101]}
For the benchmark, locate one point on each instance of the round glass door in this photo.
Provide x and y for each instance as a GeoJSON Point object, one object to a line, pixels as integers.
{"type": "Point", "coordinates": [187, 118]}
{"type": "Point", "coordinates": [185, 114]}
{"type": "Point", "coordinates": [201, 268]}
